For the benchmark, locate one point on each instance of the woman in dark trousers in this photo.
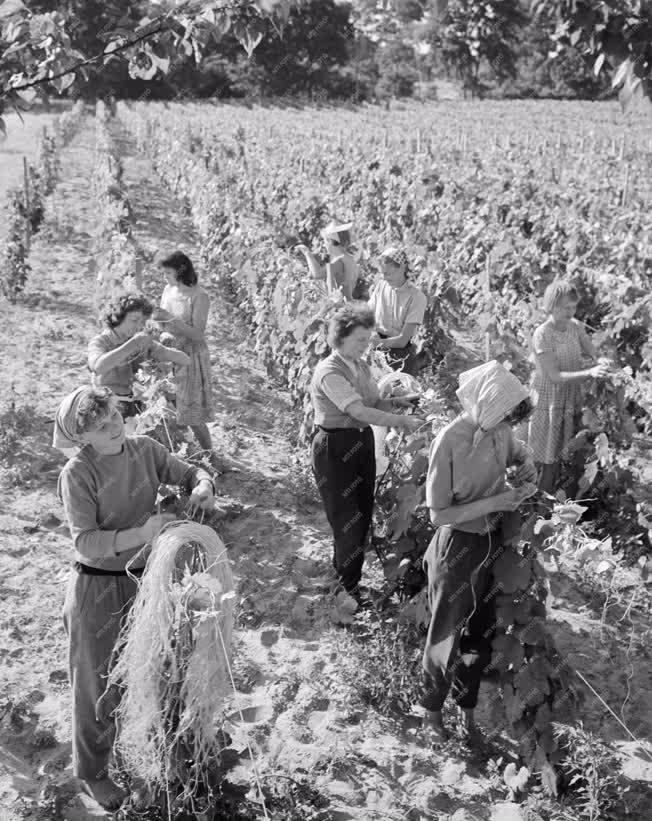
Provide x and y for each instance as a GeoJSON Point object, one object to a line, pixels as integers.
{"type": "Point", "coordinates": [346, 402]}
{"type": "Point", "coordinates": [467, 497]}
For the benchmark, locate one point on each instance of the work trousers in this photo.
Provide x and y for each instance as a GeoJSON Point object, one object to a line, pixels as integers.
{"type": "Point", "coordinates": [93, 614]}
{"type": "Point", "coordinates": [344, 466]}
{"type": "Point", "coordinates": [461, 594]}
{"type": "Point", "coordinates": [402, 359]}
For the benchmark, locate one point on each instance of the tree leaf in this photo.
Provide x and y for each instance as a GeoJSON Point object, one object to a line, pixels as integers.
{"type": "Point", "coordinates": [599, 60]}
{"type": "Point", "coordinates": [10, 7]}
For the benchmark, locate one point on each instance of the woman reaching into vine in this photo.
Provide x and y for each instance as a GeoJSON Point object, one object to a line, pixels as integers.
{"type": "Point", "coordinates": [341, 270]}
{"type": "Point", "coordinates": [467, 496]}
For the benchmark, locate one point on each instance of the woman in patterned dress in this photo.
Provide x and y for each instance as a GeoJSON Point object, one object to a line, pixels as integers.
{"type": "Point", "coordinates": [184, 314]}
{"type": "Point", "coordinates": [559, 345]}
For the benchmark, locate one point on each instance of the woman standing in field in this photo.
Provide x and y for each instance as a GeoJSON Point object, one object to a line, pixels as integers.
{"type": "Point", "coordinates": [465, 491]}
{"type": "Point", "coordinates": [559, 346]}
{"type": "Point", "coordinates": [108, 491]}
{"type": "Point", "coordinates": [184, 314]}
{"type": "Point", "coordinates": [341, 270]}
{"type": "Point", "coordinates": [399, 308]}
{"type": "Point", "coordinates": [346, 402]}
{"type": "Point", "coordinates": [115, 355]}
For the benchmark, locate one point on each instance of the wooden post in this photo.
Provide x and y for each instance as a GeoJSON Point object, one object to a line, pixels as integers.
{"type": "Point", "coordinates": [28, 229]}
{"type": "Point", "coordinates": [487, 290]}
{"type": "Point", "coordinates": [385, 138]}
{"type": "Point", "coordinates": [418, 140]}
{"type": "Point", "coordinates": [625, 186]}
{"type": "Point", "coordinates": [622, 148]}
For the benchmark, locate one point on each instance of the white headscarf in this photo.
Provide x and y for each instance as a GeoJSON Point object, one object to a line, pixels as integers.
{"type": "Point", "coordinates": [488, 393]}
{"type": "Point", "coordinates": [65, 421]}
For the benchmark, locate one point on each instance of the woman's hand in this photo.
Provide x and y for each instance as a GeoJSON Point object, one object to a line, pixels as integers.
{"type": "Point", "coordinates": [600, 371]}
{"type": "Point", "coordinates": [155, 524]}
{"type": "Point", "coordinates": [407, 401]}
{"type": "Point", "coordinates": [513, 499]}
{"type": "Point", "coordinates": [202, 496]}
{"type": "Point", "coordinates": [411, 424]}
{"type": "Point", "coordinates": [375, 340]}
{"type": "Point", "coordinates": [525, 473]}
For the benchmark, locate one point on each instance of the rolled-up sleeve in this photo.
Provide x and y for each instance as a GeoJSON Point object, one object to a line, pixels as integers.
{"type": "Point", "coordinates": [439, 481]}
{"type": "Point", "coordinates": [340, 391]}
{"type": "Point", "coordinates": [96, 349]}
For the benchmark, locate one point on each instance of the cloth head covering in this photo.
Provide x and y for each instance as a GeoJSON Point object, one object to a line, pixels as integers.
{"type": "Point", "coordinates": [65, 421]}
{"type": "Point", "coordinates": [342, 232]}
{"type": "Point", "coordinates": [488, 393]}
{"type": "Point", "coordinates": [397, 256]}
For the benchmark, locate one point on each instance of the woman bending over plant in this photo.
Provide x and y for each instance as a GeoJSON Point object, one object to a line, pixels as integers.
{"type": "Point", "coordinates": [109, 491]}
{"type": "Point", "coordinates": [115, 355]}
{"type": "Point", "coordinates": [341, 270]}
{"type": "Point", "coordinates": [467, 497]}
{"type": "Point", "coordinates": [399, 308]}
{"type": "Point", "coordinates": [559, 345]}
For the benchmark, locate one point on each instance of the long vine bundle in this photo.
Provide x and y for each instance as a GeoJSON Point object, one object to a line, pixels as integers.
{"type": "Point", "coordinates": [173, 662]}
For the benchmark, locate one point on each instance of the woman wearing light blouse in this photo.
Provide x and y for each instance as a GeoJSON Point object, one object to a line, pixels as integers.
{"type": "Point", "coordinates": [346, 402]}
{"type": "Point", "coordinates": [399, 308]}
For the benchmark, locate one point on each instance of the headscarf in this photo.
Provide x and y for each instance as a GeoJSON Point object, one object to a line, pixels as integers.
{"type": "Point", "coordinates": [488, 394]}
{"type": "Point", "coordinates": [65, 421]}
{"type": "Point", "coordinates": [341, 232]}
{"type": "Point", "coordinates": [397, 256]}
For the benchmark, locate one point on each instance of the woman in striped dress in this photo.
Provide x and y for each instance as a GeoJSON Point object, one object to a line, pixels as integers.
{"type": "Point", "coordinates": [560, 345]}
{"type": "Point", "coordinates": [184, 314]}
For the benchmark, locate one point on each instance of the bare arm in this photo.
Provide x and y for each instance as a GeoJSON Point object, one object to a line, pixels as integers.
{"type": "Point", "coordinates": [119, 356]}
{"type": "Point", "coordinates": [163, 354]}
{"type": "Point", "coordinates": [317, 271]}
{"type": "Point", "coordinates": [456, 514]}
{"type": "Point", "coordinates": [548, 364]}
{"type": "Point", "coordinates": [381, 418]}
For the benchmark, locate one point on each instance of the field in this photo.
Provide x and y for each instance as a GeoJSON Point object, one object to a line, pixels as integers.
{"type": "Point", "coordinates": [491, 201]}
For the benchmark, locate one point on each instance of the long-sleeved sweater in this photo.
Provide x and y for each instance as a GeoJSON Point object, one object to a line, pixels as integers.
{"type": "Point", "coordinates": [103, 494]}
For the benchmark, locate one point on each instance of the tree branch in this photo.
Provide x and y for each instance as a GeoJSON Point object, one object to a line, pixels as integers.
{"type": "Point", "coordinates": [81, 63]}
{"type": "Point", "coordinates": [165, 24]}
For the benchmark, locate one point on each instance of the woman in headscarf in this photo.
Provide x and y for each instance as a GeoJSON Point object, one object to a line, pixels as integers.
{"type": "Point", "coordinates": [467, 497]}
{"type": "Point", "coordinates": [560, 347]}
{"type": "Point", "coordinates": [346, 402]}
{"type": "Point", "coordinates": [399, 308]}
{"type": "Point", "coordinates": [109, 491]}
{"type": "Point", "coordinates": [341, 270]}
{"type": "Point", "coordinates": [115, 355]}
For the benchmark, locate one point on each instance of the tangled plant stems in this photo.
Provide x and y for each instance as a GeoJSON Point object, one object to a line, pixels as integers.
{"type": "Point", "coordinates": [173, 667]}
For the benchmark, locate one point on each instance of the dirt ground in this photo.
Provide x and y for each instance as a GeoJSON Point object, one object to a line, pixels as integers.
{"type": "Point", "coordinates": [289, 656]}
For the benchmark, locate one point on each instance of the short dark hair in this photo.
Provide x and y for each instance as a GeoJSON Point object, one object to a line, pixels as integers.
{"type": "Point", "coordinates": [93, 407]}
{"type": "Point", "coordinates": [353, 315]}
{"type": "Point", "coordinates": [182, 266]}
{"type": "Point", "coordinates": [556, 291]}
{"type": "Point", "coordinates": [520, 413]}
{"type": "Point", "coordinates": [118, 307]}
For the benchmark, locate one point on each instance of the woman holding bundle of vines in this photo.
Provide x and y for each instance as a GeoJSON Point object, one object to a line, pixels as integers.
{"type": "Point", "coordinates": [184, 314]}
{"type": "Point", "coordinates": [399, 308]}
{"type": "Point", "coordinates": [346, 402]}
{"type": "Point", "coordinates": [559, 345]}
{"type": "Point", "coordinates": [466, 494]}
{"type": "Point", "coordinates": [115, 355]}
{"type": "Point", "coordinates": [341, 270]}
{"type": "Point", "coordinates": [108, 490]}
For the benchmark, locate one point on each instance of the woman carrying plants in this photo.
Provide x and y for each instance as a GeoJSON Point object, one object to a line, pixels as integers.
{"type": "Point", "coordinates": [346, 402]}
{"type": "Point", "coordinates": [115, 355]}
{"type": "Point", "coordinates": [559, 346]}
{"type": "Point", "coordinates": [109, 491]}
{"type": "Point", "coordinates": [341, 270]}
{"type": "Point", "coordinates": [184, 314]}
{"type": "Point", "coordinates": [467, 497]}
{"type": "Point", "coordinates": [399, 307]}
